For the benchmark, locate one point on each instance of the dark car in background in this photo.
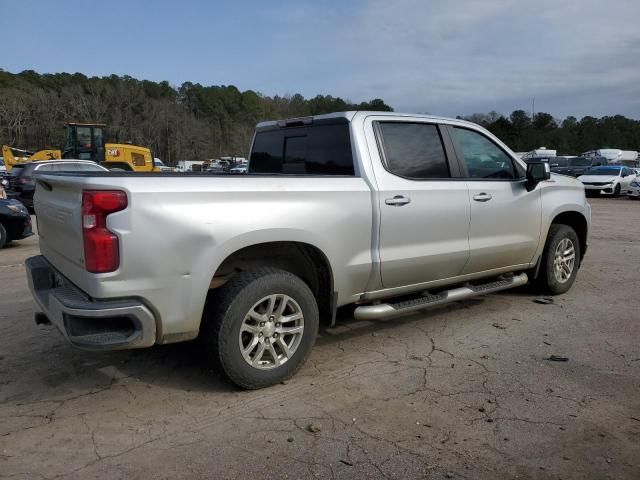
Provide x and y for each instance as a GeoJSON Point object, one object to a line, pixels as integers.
{"type": "Point", "coordinates": [21, 182]}
{"type": "Point", "coordinates": [15, 221]}
{"type": "Point", "coordinates": [573, 166]}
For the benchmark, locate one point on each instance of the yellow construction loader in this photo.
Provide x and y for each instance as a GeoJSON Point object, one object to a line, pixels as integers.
{"type": "Point", "coordinates": [85, 141]}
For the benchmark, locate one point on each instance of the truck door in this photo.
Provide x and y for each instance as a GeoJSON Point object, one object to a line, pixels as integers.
{"type": "Point", "coordinates": [423, 202]}
{"type": "Point", "coordinates": [505, 218]}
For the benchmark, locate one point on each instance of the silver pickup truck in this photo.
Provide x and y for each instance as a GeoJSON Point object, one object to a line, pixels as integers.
{"type": "Point", "coordinates": [384, 212]}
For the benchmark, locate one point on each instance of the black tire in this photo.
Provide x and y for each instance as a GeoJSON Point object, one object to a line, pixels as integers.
{"type": "Point", "coordinates": [227, 308]}
{"type": "Point", "coordinates": [547, 277]}
{"type": "Point", "coordinates": [616, 191]}
{"type": "Point", "coordinates": [3, 236]}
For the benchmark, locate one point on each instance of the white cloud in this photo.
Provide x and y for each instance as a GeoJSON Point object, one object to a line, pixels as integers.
{"type": "Point", "coordinates": [574, 56]}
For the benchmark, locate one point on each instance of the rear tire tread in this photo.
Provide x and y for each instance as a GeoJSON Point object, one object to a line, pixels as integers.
{"type": "Point", "coordinates": [214, 327]}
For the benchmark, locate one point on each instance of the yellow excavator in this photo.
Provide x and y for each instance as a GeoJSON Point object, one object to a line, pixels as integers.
{"type": "Point", "coordinates": [85, 141]}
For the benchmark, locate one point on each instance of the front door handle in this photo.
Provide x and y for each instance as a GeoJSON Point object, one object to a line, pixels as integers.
{"type": "Point", "coordinates": [397, 201]}
{"type": "Point", "coordinates": [482, 197]}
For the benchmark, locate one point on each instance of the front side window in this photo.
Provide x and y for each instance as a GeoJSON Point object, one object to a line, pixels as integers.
{"type": "Point", "coordinates": [483, 158]}
{"type": "Point", "coordinates": [413, 150]}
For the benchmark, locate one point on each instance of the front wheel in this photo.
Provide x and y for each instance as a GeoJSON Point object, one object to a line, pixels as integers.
{"type": "Point", "coordinates": [260, 327]}
{"type": "Point", "coordinates": [560, 260]}
{"type": "Point", "coordinates": [616, 191]}
{"type": "Point", "coordinates": [3, 236]}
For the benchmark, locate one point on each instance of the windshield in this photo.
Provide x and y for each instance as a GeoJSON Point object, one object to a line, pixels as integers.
{"type": "Point", "coordinates": [579, 162]}
{"type": "Point", "coordinates": [606, 171]}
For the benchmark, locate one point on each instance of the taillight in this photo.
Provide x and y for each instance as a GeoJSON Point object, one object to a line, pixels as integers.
{"type": "Point", "coordinates": [101, 248]}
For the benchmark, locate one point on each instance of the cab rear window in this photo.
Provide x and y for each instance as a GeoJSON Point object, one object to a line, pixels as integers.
{"type": "Point", "coordinates": [308, 150]}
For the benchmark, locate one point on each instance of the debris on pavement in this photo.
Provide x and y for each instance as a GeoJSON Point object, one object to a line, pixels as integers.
{"type": "Point", "coordinates": [558, 358]}
{"type": "Point", "coordinates": [544, 300]}
{"type": "Point", "coordinates": [498, 326]}
{"type": "Point", "coordinates": [314, 428]}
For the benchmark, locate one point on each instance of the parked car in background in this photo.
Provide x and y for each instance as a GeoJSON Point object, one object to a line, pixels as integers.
{"type": "Point", "coordinates": [607, 179]}
{"type": "Point", "coordinates": [239, 169]}
{"type": "Point", "coordinates": [574, 166]}
{"type": "Point", "coordinates": [21, 182]}
{"type": "Point", "coordinates": [216, 168]}
{"type": "Point", "coordinates": [15, 221]}
{"type": "Point", "coordinates": [385, 212]}
{"type": "Point", "coordinates": [157, 163]}
{"type": "Point", "coordinates": [634, 188]}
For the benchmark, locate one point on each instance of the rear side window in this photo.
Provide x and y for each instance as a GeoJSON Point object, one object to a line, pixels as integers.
{"type": "Point", "coordinates": [413, 150]}
{"type": "Point", "coordinates": [483, 158]}
{"type": "Point", "coordinates": [313, 150]}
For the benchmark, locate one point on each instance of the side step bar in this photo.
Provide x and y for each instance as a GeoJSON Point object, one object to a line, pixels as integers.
{"type": "Point", "coordinates": [393, 309]}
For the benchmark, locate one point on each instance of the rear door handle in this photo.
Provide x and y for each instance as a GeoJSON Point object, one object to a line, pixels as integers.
{"type": "Point", "coordinates": [397, 201]}
{"type": "Point", "coordinates": [482, 197]}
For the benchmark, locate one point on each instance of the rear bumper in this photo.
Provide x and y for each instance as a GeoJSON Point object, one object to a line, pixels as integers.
{"type": "Point", "coordinates": [88, 323]}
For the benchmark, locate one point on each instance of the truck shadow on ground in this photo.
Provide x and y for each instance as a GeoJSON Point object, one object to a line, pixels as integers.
{"type": "Point", "coordinates": [185, 366]}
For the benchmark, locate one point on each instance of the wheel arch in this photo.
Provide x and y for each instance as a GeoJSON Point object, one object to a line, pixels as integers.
{"type": "Point", "coordinates": [303, 259]}
{"type": "Point", "coordinates": [578, 222]}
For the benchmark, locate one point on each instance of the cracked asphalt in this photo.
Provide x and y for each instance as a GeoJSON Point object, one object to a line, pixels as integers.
{"type": "Point", "coordinates": [462, 391]}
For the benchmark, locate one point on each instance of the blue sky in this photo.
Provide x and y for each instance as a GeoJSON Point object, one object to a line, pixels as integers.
{"type": "Point", "coordinates": [443, 57]}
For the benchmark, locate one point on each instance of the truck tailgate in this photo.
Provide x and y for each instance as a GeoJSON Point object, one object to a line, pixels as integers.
{"type": "Point", "coordinates": [58, 205]}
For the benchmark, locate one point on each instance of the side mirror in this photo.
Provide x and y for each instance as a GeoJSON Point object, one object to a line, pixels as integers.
{"type": "Point", "coordinates": [536, 173]}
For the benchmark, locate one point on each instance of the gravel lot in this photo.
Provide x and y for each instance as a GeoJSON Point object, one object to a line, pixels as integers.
{"type": "Point", "coordinates": [463, 391]}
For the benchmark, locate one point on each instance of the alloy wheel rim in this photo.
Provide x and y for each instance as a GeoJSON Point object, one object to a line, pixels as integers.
{"type": "Point", "coordinates": [271, 332]}
{"type": "Point", "coordinates": [564, 260]}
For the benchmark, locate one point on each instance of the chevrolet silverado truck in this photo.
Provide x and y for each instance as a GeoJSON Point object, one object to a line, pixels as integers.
{"type": "Point", "coordinates": [387, 213]}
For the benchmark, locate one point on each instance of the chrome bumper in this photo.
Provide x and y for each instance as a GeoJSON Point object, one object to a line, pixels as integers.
{"type": "Point", "coordinates": [88, 323]}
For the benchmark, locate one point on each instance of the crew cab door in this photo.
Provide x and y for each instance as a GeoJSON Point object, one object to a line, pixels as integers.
{"type": "Point", "coordinates": [505, 218]}
{"type": "Point", "coordinates": [423, 202]}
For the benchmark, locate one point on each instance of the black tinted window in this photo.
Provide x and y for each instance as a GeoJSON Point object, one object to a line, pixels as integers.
{"type": "Point", "coordinates": [558, 162]}
{"type": "Point", "coordinates": [579, 162]}
{"type": "Point", "coordinates": [483, 158]}
{"type": "Point", "coordinates": [413, 150]}
{"type": "Point", "coordinates": [313, 150]}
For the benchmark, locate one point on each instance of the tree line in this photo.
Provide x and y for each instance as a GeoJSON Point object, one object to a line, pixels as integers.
{"type": "Point", "coordinates": [569, 136]}
{"type": "Point", "coordinates": [189, 122]}
{"type": "Point", "coordinates": [194, 122]}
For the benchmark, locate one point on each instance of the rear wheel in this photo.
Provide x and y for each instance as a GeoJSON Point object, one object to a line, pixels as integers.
{"type": "Point", "coordinates": [260, 327]}
{"type": "Point", "coordinates": [560, 260]}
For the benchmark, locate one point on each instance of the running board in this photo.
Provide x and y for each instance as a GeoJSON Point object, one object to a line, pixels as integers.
{"type": "Point", "coordinates": [390, 310]}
